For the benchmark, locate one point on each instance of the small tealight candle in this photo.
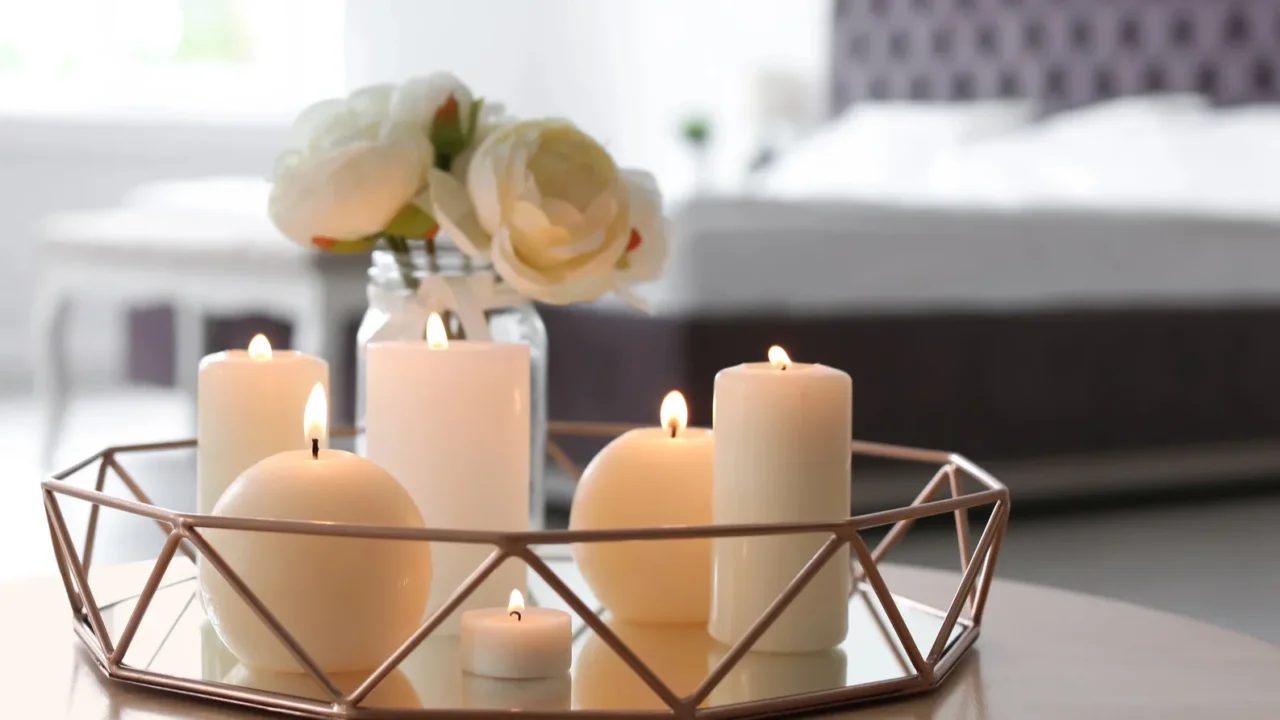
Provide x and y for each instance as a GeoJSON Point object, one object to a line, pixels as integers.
{"type": "Point", "coordinates": [517, 643]}
{"type": "Point", "coordinates": [646, 478]}
{"type": "Point", "coordinates": [349, 602]}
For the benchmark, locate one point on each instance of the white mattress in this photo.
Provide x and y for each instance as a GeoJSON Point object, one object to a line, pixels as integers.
{"type": "Point", "coordinates": [740, 256]}
{"type": "Point", "coordinates": [908, 207]}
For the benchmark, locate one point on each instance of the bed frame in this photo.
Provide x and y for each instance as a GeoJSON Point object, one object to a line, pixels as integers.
{"type": "Point", "coordinates": [1079, 397]}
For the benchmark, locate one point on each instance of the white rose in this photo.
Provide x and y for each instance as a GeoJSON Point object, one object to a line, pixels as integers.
{"type": "Point", "coordinates": [350, 170]}
{"type": "Point", "coordinates": [547, 205]}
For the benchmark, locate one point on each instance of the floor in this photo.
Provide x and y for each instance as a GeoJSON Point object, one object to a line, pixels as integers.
{"type": "Point", "coordinates": [1213, 559]}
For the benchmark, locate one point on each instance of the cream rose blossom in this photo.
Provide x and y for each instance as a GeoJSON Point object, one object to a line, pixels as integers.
{"type": "Point", "coordinates": [350, 171]}
{"type": "Point", "coordinates": [547, 205]}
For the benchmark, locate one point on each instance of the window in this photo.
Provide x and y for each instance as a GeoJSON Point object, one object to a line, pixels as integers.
{"type": "Point", "coordinates": [200, 58]}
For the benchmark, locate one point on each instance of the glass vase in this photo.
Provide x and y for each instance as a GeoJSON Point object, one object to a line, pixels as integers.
{"type": "Point", "coordinates": [405, 277]}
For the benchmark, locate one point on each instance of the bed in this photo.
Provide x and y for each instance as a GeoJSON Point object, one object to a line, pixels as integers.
{"type": "Point", "coordinates": [1108, 343]}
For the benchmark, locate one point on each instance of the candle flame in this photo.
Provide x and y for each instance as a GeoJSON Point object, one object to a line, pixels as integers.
{"type": "Point", "coordinates": [260, 347]}
{"type": "Point", "coordinates": [437, 338]}
{"type": "Point", "coordinates": [779, 358]}
{"type": "Point", "coordinates": [516, 603]}
{"type": "Point", "coordinates": [315, 417]}
{"type": "Point", "coordinates": [674, 412]}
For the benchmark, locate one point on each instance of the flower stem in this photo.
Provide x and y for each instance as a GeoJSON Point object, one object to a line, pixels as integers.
{"type": "Point", "coordinates": [400, 249]}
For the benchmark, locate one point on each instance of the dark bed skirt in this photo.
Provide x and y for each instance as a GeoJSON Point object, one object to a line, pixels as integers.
{"type": "Point", "coordinates": [998, 386]}
{"type": "Point", "coordinates": [993, 386]}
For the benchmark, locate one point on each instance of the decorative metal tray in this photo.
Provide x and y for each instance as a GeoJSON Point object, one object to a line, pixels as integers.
{"type": "Point", "coordinates": [159, 637]}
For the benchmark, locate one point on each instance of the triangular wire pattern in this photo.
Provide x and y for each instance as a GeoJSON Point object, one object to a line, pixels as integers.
{"type": "Point", "coordinates": [967, 582]}
{"type": "Point", "coordinates": [981, 563]}
{"type": "Point", "coordinates": [145, 597]}
{"type": "Point", "coordinates": [464, 591]}
{"type": "Point", "coordinates": [74, 598]}
{"type": "Point", "coordinates": [606, 635]}
{"type": "Point", "coordinates": [214, 558]}
{"type": "Point", "coordinates": [811, 568]}
{"type": "Point", "coordinates": [890, 605]}
{"type": "Point", "coordinates": [90, 605]}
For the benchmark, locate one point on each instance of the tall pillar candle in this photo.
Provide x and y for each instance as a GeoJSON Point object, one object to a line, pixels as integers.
{"type": "Point", "coordinates": [450, 420]}
{"type": "Point", "coordinates": [247, 410]}
{"type": "Point", "coordinates": [782, 434]}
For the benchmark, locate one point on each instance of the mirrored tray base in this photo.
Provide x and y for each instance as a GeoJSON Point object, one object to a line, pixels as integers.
{"type": "Point", "coordinates": [180, 651]}
{"type": "Point", "coordinates": [157, 634]}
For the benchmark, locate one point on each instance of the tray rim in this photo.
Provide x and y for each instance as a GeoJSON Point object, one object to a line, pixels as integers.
{"type": "Point", "coordinates": [967, 635]}
{"type": "Point", "coordinates": [183, 534]}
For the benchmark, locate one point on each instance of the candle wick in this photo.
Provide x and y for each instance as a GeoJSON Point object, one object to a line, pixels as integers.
{"type": "Point", "coordinates": [315, 448]}
{"type": "Point", "coordinates": [675, 427]}
{"type": "Point", "coordinates": [516, 613]}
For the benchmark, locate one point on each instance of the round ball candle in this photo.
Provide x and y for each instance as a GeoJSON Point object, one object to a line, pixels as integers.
{"type": "Point", "coordinates": [349, 602]}
{"type": "Point", "coordinates": [649, 477]}
{"type": "Point", "coordinates": [781, 456]}
{"type": "Point", "coordinates": [247, 410]}
{"type": "Point", "coordinates": [517, 643]}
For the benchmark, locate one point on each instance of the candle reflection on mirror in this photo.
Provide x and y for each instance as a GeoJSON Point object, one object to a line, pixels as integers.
{"type": "Point", "coordinates": [394, 692]}
{"type": "Point", "coordinates": [215, 659]}
{"type": "Point", "coordinates": [760, 676]}
{"type": "Point", "coordinates": [677, 654]}
{"type": "Point", "coordinates": [435, 671]}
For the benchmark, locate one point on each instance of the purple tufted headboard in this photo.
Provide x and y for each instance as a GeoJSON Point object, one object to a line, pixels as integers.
{"type": "Point", "coordinates": [1065, 53]}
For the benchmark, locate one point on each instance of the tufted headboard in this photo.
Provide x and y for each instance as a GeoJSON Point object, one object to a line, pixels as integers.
{"type": "Point", "coordinates": [1064, 53]}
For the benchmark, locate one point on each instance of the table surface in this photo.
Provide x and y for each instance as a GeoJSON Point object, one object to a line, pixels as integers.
{"type": "Point", "coordinates": [1043, 654]}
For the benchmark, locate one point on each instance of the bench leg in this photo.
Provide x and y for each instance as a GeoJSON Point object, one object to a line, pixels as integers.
{"type": "Point", "coordinates": [51, 371]}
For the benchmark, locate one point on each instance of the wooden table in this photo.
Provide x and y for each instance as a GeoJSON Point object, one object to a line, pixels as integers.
{"type": "Point", "coordinates": [1044, 654]}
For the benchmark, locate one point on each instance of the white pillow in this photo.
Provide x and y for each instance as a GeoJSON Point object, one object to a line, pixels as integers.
{"type": "Point", "coordinates": [883, 151]}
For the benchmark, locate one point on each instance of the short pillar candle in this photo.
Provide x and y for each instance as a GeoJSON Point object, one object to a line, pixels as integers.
{"type": "Point", "coordinates": [247, 410]}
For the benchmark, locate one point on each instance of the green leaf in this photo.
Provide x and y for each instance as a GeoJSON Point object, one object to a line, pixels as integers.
{"type": "Point", "coordinates": [412, 222]}
{"type": "Point", "coordinates": [473, 122]}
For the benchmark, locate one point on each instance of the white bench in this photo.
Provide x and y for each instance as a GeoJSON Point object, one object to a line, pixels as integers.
{"type": "Point", "coordinates": [207, 248]}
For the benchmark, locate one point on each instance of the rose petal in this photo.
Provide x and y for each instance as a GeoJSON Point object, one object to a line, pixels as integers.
{"type": "Point", "coordinates": [456, 215]}
{"type": "Point", "coordinates": [645, 262]}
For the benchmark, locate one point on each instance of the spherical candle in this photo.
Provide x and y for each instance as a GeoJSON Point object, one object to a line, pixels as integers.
{"type": "Point", "coordinates": [651, 477]}
{"type": "Point", "coordinates": [349, 602]}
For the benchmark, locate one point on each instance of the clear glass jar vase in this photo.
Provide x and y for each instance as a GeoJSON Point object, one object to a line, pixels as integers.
{"type": "Point", "coordinates": [402, 291]}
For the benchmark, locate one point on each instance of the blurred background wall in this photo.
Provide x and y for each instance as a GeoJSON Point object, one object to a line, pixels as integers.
{"type": "Point", "coordinates": [88, 121]}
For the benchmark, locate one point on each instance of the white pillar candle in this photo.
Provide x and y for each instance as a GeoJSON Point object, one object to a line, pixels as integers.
{"type": "Point", "coordinates": [450, 420]}
{"type": "Point", "coordinates": [516, 642]}
{"type": "Point", "coordinates": [349, 602]}
{"type": "Point", "coordinates": [651, 477]}
{"type": "Point", "coordinates": [781, 455]}
{"type": "Point", "coordinates": [247, 410]}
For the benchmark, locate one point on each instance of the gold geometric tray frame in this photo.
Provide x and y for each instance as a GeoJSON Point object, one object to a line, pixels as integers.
{"type": "Point", "coordinates": [184, 534]}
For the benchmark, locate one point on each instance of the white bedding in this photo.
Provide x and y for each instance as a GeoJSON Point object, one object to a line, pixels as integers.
{"type": "Point", "coordinates": [911, 208]}
{"type": "Point", "coordinates": [1170, 154]}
